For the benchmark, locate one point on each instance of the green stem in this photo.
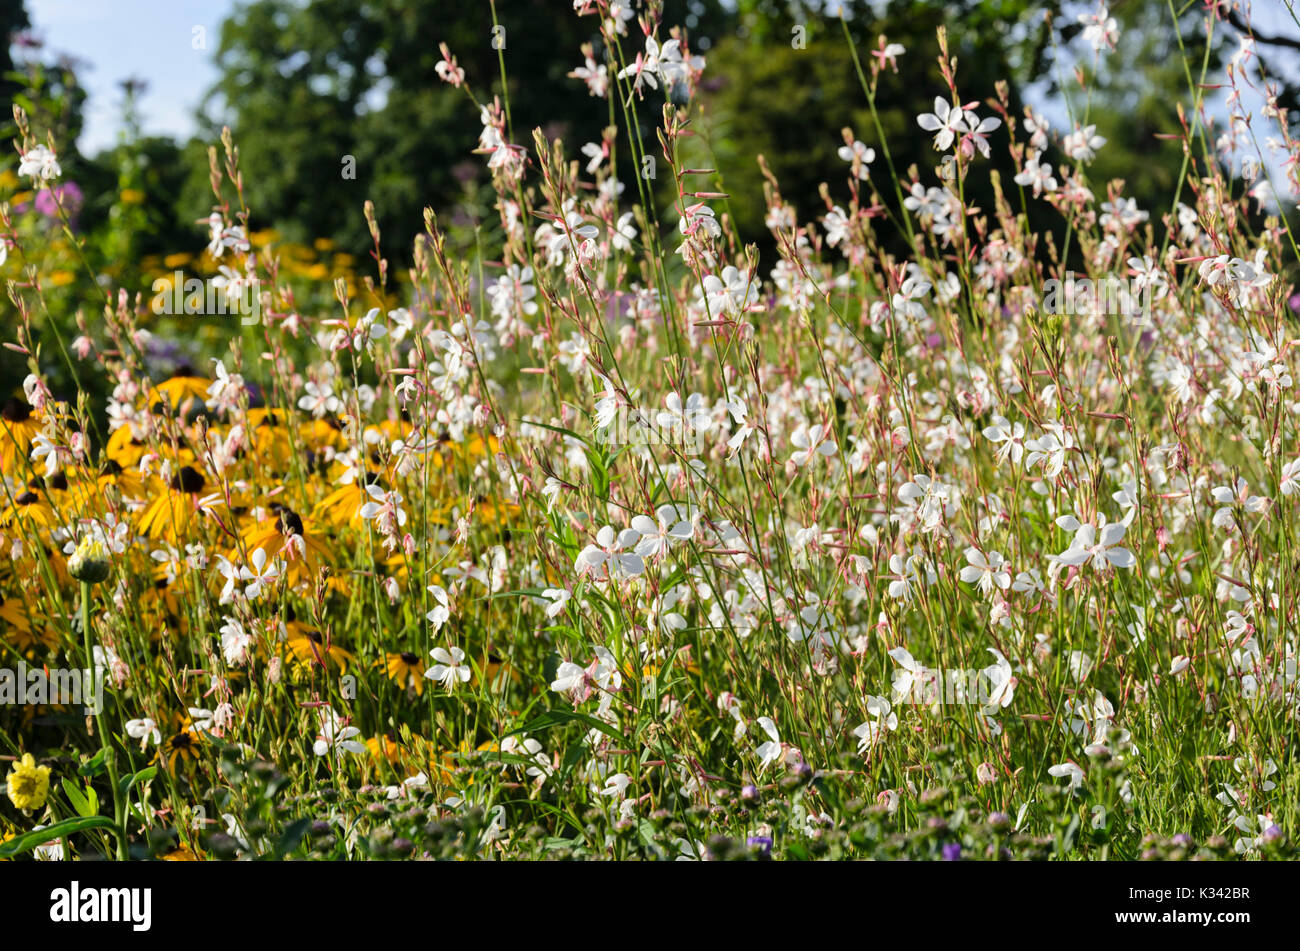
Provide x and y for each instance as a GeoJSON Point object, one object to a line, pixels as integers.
{"type": "Point", "coordinates": [119, 807]}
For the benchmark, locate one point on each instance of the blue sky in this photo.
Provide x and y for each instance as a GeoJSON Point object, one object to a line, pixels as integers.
{"type": "Point", "coordinates": [145, 39]}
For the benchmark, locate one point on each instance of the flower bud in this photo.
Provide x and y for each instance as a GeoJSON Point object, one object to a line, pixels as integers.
{"type": "Point", "coordinates": [90, 562]}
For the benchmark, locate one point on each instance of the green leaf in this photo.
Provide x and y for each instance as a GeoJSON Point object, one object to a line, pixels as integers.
{"type": "Point", "coordinates": [146, 774]}
{"type": "Point", "coordinates": [292, 836]}
{"type": "Point", "coordinates": [87, 803]}
{"type": "Point", "coordinates": [92, 767]}
{"type": "Point", "coordinates": [57, 831]}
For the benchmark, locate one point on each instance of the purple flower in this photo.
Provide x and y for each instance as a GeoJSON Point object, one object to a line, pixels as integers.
{"type": "Point", "coordinates": [66, 194]}
{"type": "Point", "coordinates": [761, 842]}
{"type": "Point", "coordinates": [952, 852]}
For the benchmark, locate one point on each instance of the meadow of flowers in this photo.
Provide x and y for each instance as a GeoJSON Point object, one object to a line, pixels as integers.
{"type": "Point", "coordinates": [610, 537]}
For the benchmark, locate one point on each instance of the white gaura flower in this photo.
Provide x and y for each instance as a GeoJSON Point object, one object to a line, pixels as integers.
{"type": "Point", "coordinates": [909, 677]}
{"type": "Point", "coordinates": [145, 730]}
{"type": "Point", "coordinates": [986, 571]}
{"type": "Point", "coordinates": [905, 577]}
{"type": "Point", "coordinates": [929, 499]}
{"type": "Point", "coordinates": [1079, 664]}
{"type": "Point", "coordinates": [40, 164]}
{"type": "Point", "coordinates": [1089, 546]}
{"type": "Point", "coordinates": [645, 68]}
{"type": "Point", "coordinates": [261, 574]}
{"type": "Point", "coordinates": [810, 441]}
{"type": "Point", "coordinates": [1002, 683]}
{"type": "Point", "coordinates": [689, 417]}
{"type": "Point", "coordinates": [236, 642]}
{"type": "Point", "coordinates": [733, 293]}
{"type": "Point", "coordinates": [859, 156]}
{"type": "Point", "coordinates": [772, 750]}
{"type": "Point", "coordinates": [740, 416]}
{"type": "Point", "coordinates": [1050, 449]}
{"type": "Point", "coordinates": [1071, 772]}
{"type": "Point", "coordinates": [1038, 175]}
{"type": "Point", "coordinates": [558, 597]}
{"type": "Point", "coordinates": [622, 234]}
{"type": "Point", "coordinates": [335, 736]}
{"type": "Point", "coordinates": [1082, 144]}
{"type": "Point", "coordinates": [609, 552]}
{"type": "Point", "coordinates": [1100, 31]}
{"type": "Point", "coordinates": [975, 137]}
{"type": "Point", "coordinates": [674, 68]}
{"type": "Point", "coordinates": [945, 122]}
{"type": "Point", "coordinates": [320, 399]}
{"type": "Point", "coordinates": [450, 667]}
{"type": "Point", "coordinates": [440, 614]}
{"type": "Point", "coordinates": [1290, 483]}
{"type": "Point", "coordinates": [882, 721]}
{"type": "Point", "coordinates": [666, 527]}
{"type": "Point", "coordinates": [551, 490]}
{"type": "Point", "coordinates": [1010, 438]}
{"type": "Point", "coordinates": [1231, 497]}
{"type": "Point", "coordinates": [568, 677]}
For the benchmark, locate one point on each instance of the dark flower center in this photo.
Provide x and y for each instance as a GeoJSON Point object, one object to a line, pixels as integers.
{"type": "Point", "coordinates": [16, 410]}
{"type": "Point", "coordinates": [188, 480]}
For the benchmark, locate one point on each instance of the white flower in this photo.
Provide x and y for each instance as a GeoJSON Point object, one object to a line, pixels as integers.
{"type": "Point", "coordinates": [1037, 175]}
{"type": "Point", "coordinates": [910, 677]}
{"type": "Point", "coordinates": [986, 571]}
{"type": "Point", "coordinates": [733, 293]}
{"type": "Point", "coordinates": [1010, 436]}
{"type": "Point", "coordinates": [656, 534]}
{"type": "Point", "coordinates": [1002, 684]}
{"type": "Point", "coordinates": [261, 574]}
{"type": "Point", "coordinates": [1071, 771]}
{"type": "Point", "coordinates": [859, 156]}
{"type": "Point", "coordinates": [1290, 483]}
{"type": "Point", "coordinates": [40, 164]}
{"type": "Point", "coordinates": [1087, 546]}
{"type": "Point", "coordinates": [558, 597]}
{"type": "Point", "coordinates": [1099, 29]}
{"type": "Point", "coordinates": [1082, 144]}
{"type": "Point", "coordinates": [320, 399]}
{"type": "Point", "coordinates": [810, 441]}
{"type": "Point", "coordinates": [1050, 450]}
{"type": "Point", "coordinates": [235, 642]}
{"type": "Point", "coordinates": [772, 750]}
{"type": "Point", "coordinates": [945, 122]}
{"type": "Point", "coordinates": [145, 730]}
{"type": "Point", "coordinates": [449, 669]}
{"type": "Point", "coordinates": [609, 552]}
{"type": "Point", "coordinates": [335, 736]}
{"type": "Point", "coordinates": [440, 614]}
{"type": "Point", "coordinates": [883, 720]}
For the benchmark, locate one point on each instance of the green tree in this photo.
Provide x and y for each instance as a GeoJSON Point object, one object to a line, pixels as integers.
{"type": "Point", "coordinates": [305, 86]}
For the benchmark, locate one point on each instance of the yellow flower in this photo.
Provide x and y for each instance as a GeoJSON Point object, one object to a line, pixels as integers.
{"type": "Point", "coordinates": [132, 196]}
{"type": "Point", "coordinates": [29, 784]}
